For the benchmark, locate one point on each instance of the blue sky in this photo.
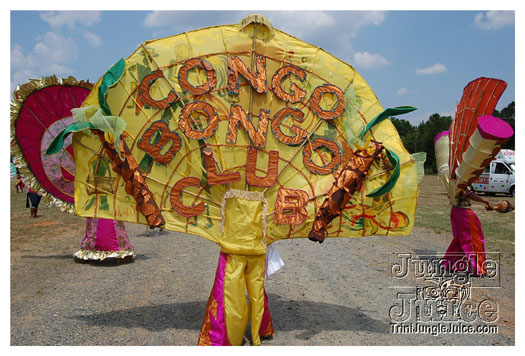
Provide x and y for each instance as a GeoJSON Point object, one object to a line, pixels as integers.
{"type": "Point", "coordinates": [418, 58]}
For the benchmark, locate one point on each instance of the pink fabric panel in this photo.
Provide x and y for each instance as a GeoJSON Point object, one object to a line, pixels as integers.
{"type": "Point", "coordinates": [106, 239]}
{"type": "Point", "coordinates": [218, 334]}
{"type": "Point", "coordinates": [266, 314]}
{"type": "Point", "coordinates": [44, 110]}
{"type": "Point", "coordinates": [122, 236]}
{"type": "Point", "coordinates": [461, 247]}
{"type": "Point", "coordinates": [88, 243]}
{"type": "Point", "coordinates": [492, 128]}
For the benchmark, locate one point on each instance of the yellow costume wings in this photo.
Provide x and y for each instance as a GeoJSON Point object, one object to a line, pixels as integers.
{"type": "Point", "coordinates": [238, 132]}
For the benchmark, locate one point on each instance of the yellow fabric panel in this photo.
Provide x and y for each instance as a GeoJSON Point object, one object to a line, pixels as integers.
{"type": "Point", "coordinates": [244, 273]}
{"type": "Point", "coordinates": [392, 214]}
{"type": "Point", "coordinates": [243, 235]}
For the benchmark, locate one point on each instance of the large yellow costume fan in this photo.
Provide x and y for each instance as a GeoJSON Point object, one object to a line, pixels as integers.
{"type": "Point", "coordinates": [244, 135]}
{"type": "Point", "coordinates": [236, 133]}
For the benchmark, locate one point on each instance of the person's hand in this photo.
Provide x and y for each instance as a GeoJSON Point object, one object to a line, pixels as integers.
{"type": "Point", "coordinates": [488, 206]}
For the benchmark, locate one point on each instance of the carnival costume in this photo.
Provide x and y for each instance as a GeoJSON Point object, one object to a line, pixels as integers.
{"type": "Point", "coordinates": [462, 154]}
{"type": "Point", "coordinates": [247, 136]}
{"type": "Point", "coordinates": [39, 111]}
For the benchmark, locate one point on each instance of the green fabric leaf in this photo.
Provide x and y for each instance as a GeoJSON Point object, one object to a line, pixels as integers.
{"type": "Point", "coordinates": [111, 77]}
{"type": "Point", "coordinates": [58, 142]}
{"type": "Point", "coordinates": [90, 204]}
{"type": "Point", "coordinates": [112, 124]}
{"type": "Point", "coordinates": [146, 163]}
{"type": "Point", "coordinates": [392, 180]}
{"type": "Point", "coordinates": [400, 110]}
{"type": "Point", "coordinates": [104, 203]}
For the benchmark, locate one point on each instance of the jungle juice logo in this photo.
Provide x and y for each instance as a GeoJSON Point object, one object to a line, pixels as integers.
{"type": "Point", "coordinates": [442, 301]}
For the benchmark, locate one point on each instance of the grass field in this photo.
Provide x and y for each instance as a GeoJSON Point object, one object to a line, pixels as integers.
{"type": "Point", "coordinates": [50, 223]}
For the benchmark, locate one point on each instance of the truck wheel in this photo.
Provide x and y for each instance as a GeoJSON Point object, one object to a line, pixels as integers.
{"type": "Point", "coordinates": [511, 191]}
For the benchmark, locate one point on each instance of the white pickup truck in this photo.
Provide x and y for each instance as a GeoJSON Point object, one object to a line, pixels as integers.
{"type": "Point", "coordinates": [499, 175]}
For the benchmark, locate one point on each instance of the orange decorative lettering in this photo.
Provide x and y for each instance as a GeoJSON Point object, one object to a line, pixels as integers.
{"type": "Point", "coordinates": [290, 206]}
{"type": "Point", "coordinates": [251, 167]}
{"type": "Point", "coordinates": [238, 115]}
{"type": "Point", "coordinates": [296, 92]}
{"type": "Point", "coordinates": [186, 116]}
{"type": "Point", "coordinates": [315, 100]}
{"type": "Point", "coordinates": [165, 136]}
{"type": "Point", "coordinates": [258, 81]}
{"type": "Point", "coordinates": [300, 134]}
{"type": "Point", "coordinates": [200, 89]}
{"type": "Point", "coordinates": [144, 97]}
{"type": "Point", "coordinates": [176, 201]}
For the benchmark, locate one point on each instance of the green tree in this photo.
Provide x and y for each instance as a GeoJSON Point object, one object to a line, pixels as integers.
{"type": "Point", "coordinates": [427, 131]}
{"type": "Point", "coordinates": [508, 115]}
{"type": "Point", "coordinates": [421, 137]}
{"type": "Point", "coordinates": [407, 133]}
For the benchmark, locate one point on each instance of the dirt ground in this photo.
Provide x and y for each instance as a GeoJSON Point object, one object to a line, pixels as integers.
{"type": "Point", "coordinates": [341, 292]}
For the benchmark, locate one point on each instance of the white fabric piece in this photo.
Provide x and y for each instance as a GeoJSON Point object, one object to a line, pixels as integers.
{"type": "Point", "coordinates": [273, 260]}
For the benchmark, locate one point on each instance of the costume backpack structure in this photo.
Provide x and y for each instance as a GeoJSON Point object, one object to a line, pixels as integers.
{"type": "Point", "coordinates": [244, 135]}
{"type": "Point", "coordinates": [192, 123]}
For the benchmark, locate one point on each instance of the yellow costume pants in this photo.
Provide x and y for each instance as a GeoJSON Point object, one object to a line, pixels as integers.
{"type": "Point", "coordinates": [227, 310]}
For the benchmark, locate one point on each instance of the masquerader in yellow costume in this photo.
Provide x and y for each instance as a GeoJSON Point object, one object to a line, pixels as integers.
{"type": "Point", "coordinates": [244, 135]}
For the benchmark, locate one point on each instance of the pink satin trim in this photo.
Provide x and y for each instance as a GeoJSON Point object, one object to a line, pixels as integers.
{"type": "Point", "coordinates": [106, 239]}
{"type": "Point", "coordinates": [439, 135]}
{"type": "Point", "coordinates": [493, 128]}
{"type": "Point", "coordinates": [266, 316]}
{"type": "Point", "coordinates": [466, 227]}
{"type": "Point", "coordinates": [218, 334]}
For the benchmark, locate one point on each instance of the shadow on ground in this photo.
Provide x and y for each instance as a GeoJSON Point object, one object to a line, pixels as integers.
{"type": "Point", "coordinates": [288, 315]}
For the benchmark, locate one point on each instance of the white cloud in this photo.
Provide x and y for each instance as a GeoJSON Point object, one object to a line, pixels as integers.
{"type": "Point", "coordinates": [55, 48]}
{"type": "Point", "coordinates": [334, 31]}
{"type": "Point", "coordinates": [494, 20]}
{"type": "Point", "coordinates": [180, 21]}
{"type": "Point", "coordinates": [435, 69]}
{"type": "Point", "coordinates": [310, 22]}
{"type": "Point", "coordinates": [93, 39]}
{"type": "Point", "coordinates": [19, 59]}
{"type": "Point", "coordinates": [157, 19]}
{"type": "Point", "coordinates": [306, 24]}
{"type": "Point", "coordinates": [51, 55]}
{"type": "Point", "coordinates": [368, 60]}
{"type": "Point", "coordinates": [402, 91]}
{"type": "Point", "coordinates": [59, 69]}
{"type": "Point", "coordinates": [368, 18]}
{"type": "Point", "coordinates": [58, 19]}
{"type": "Point", "coordinates": [160, 18]}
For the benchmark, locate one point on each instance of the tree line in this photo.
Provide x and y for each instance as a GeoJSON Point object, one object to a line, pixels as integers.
{"type": "Point", "coordinates": [420, 138]}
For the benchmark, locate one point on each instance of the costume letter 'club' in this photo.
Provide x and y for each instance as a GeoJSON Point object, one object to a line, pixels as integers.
{"type": "Point", "coordinates": [462, 154]}
{"type": "Point", "coordinates": [244, 135]}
